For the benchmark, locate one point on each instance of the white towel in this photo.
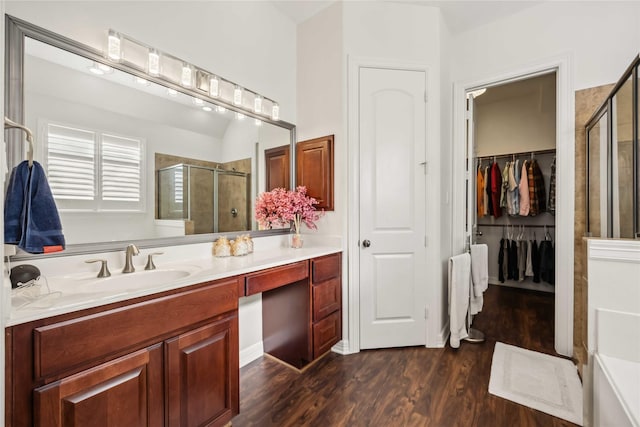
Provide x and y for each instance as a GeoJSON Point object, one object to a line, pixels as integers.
{"type": "Point", "coordinates": [459, 288]}
{"type": "Point", "coordinates": [479, 276]}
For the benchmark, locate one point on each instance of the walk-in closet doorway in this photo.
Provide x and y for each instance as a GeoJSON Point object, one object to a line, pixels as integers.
{"type": "Point", "coordinates": [519, 133]}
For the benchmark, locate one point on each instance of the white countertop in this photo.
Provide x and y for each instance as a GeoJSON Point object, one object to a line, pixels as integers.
{"type": "Point", "coordinates": [70, 279]}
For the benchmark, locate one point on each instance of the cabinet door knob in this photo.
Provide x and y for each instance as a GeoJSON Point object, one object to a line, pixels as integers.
{"type": "Point", "coordinates": [366, 243]}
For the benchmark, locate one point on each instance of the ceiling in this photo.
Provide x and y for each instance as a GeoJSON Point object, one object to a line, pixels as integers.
{"type": "Point", "coordinates": [459, 15]}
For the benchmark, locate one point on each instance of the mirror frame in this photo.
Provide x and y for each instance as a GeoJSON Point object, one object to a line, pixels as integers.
{"type": "Point", "coordinates": [16, 32]}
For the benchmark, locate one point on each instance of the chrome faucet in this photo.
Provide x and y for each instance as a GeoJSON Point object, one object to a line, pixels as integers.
{"type": "Point", "coordinates": [128, 263]}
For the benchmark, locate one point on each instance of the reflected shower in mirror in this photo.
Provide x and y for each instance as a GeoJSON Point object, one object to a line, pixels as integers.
{"type": "Point", "coordinates": [128, 159]}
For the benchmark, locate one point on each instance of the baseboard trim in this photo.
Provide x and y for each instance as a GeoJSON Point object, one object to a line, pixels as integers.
{"type": "Point", "coordinates": [342, 347]}
{"type": "Point", "coordinates": [443, 336]}
{"type": "Point", "coordinates": [251, 353]}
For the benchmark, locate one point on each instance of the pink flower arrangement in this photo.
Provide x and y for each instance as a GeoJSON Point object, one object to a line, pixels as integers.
{"type": "Point", "coordinates": [282, 207]}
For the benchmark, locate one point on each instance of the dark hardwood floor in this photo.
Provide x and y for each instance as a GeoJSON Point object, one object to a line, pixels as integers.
{"type": "Point", "coordinates": [413, 386]}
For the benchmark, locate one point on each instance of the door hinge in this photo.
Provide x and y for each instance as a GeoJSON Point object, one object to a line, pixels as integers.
{"type": "Point", "coordinates": [426, 312]}
{"type": "Point", "coordinates": [426, 97]}
{"type": "Point", "coordinates": [426, 241]}
{"type": "Point", "coordinates": [468, 115]}
{"type": "Point", "coordinates": [426, 166]}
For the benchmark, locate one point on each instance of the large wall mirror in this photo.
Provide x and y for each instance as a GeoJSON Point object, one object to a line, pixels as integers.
{"type": "Point", "coordinates": [132, 158]}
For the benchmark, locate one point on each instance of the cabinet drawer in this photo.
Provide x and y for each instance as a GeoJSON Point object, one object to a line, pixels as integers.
{"type": "Point", "coordinates": [327, 333]}
{"type": "Point", "coordinates": [272, 278]}
{"type": "Point", "coordinates": [326, 298]}
{"type": "Point", "coordinates": [62, 346]}
{"type": "Point", "coordinates": [325, 268]}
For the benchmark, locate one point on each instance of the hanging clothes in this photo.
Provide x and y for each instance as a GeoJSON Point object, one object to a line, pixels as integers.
{"type": "Point", "coordinates": [547, 262]}
{"type": "Point", "coordinates": [480, 192]}
{"type": "Point", "coordinates": [552, 188]}
{"type": "Point", "coordinates": [485, 199]}
{"type": "Point", "coordinates": [488, 183]}
{"type": "Point", "coordinates": [496, 189]}
{"type": "Point", "coordinates": [513, 260]}
{"type": "Point", "coordinates": [535, 261]}
{"type": "Point", "coordinates": [512, 196]}
{"type": "Point", "coordinates": [536, 189]}
{"type": "Point", "coordinates": [501, 261]}
{"type": "Point", "coordinates": [529, 264]}
{"type": "Point", "coordinates": [523, 190]}
{"type": "Point", "coordinates": [522, 258]}
{"type": "Point", "coordinates": [516, 189]}
{"type": "Point", "coordinates": [505, 185]}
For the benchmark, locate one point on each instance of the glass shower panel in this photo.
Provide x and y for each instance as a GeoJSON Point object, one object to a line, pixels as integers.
{"type": "Point", "coordinates": [622, 162]}
{"type": "Point", "coordinates": [173, 200]}
{"type": "Point", "coordinates": [233, 201]}
{"type": "Point", "coordinates": [597, 178]}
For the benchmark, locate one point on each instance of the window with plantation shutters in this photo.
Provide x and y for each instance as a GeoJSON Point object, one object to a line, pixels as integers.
{"type": "Point", "coordinates": [90, 170]}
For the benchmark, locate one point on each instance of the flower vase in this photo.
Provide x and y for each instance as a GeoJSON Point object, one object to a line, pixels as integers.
{"type": "Point", "coordinates": [296, 241]}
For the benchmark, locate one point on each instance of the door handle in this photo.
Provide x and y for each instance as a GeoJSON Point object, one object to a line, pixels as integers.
{"type": "Point", "coordinates": [366, 243]}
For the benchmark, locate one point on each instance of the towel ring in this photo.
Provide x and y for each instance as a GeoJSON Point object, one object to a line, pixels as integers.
{"type": "Point", "coordinates": [10, 124]}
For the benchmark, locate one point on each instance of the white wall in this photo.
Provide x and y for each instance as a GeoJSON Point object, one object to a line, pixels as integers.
{"type": "Point", "coordinates": [601, 37]}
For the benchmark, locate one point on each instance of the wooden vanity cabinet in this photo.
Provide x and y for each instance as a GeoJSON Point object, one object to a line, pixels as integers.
{"type": "Point", "coordinates": [301, 308]}
{"type": "Point", "coordinates": [169, 359]}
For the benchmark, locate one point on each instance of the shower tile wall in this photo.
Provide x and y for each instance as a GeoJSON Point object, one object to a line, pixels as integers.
{"type": "Point", "coordinates": [234, 194]}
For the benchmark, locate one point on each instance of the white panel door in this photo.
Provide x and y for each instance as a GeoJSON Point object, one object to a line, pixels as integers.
{"type": "Point", "coordinates": [393, 279]}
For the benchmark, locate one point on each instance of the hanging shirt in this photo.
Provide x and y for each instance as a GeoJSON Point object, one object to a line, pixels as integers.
{"type": "Point", "coordinates": [511, 194]}
{"type": "Point", "coordinates": [485, 198]}
{"type": "Point", "coordinates": [480, 192]}
{"type": "Point", "coordinates": [515, 188]}
{"type": "Point", "coordinates": [505, 185]}
{"type": "Point", "coordinates": [523, 190]}
{"type": "Point", "coordinates": [536, 189]}
{"type": "Point", "coordinates": [552, 188]}
{"type": "Point", "coordinates": [488, 183]}
{"type": "Point", "coordinates": [496, 188]}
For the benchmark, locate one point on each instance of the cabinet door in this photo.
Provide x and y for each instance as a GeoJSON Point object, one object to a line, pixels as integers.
{"type": "Point", "coordinates": [124, 392]}
{"type": "Point", "coordinates": [314, 169]}
{"type": "Point", "coordinates": [202, 375]}
{"type": "Point", "coordinates": [277, 167]}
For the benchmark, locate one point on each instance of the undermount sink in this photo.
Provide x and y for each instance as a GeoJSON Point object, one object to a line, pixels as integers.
{"type": "Point", "coordinates": [132, 281]}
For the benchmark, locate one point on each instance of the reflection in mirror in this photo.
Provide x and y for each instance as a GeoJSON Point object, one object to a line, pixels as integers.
{"type": "Point", "coordinates": [596, 181]}
{"type": "Point", "coordinates": [128, 159]}
{"type": "Point", "coordinates": [622, 162]}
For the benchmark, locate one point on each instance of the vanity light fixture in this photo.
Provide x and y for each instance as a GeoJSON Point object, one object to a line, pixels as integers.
{"type": "Point", "coordinates": [154, 63]}
{"type": "Point", "coordinates": [114, 46]}
{"type": "Point", "coordinates": [237, 95]}
{"type": "Point", "coordinates": [214, 87]}
{"type": "Point", "coordinates": [172, 92]}
{"type": "Point", "coordinates": [206, 108]}
{"type": "Point", "coordinates": [258, 122]}
{"type": "Point", "coordinates": [160, 66]}
{"type": "Point", "coordinates": [186, 78]}
{"type": "Point", "coordinates": [257, 104]}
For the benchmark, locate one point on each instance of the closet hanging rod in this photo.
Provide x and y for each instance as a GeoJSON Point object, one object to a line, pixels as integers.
{"type": "Point", "coordinates": [515, 225]}
{"type": "Point", "coordinates": [519, 154]}
{"type": "Point", "coordinates": [10, 124]}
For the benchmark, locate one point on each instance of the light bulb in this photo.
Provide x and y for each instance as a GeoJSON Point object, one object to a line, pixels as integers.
{"type": "Point", "coordinates": [237, 95]}
{"type": "Point", "coordinates": [99, 69]}
{"type": "Point", "coordinates": [198, 101]}
{"type": "Point", "coordinates": [206, 108]}
{"type": "Point", "coordinates": [141, 81]}
{"type": "Point", "coordinates": [114, 46]}
{"type": "Point", "coordinates": [172, 92]}
{"type": "Point", "coordinates": [239, 116]}
{"type": "Point", "coordinates": [258, 122]}
{"type": "Point", "coordinates": [220, 109]}
{"type": "Point", "coordinates": [214, 87]}
{"type": "Point", "coordinates": [257, 104]}
{"type": "Point", "coordinates": [154, 62]}
{"type": "Point", "coordinates": [275, 112]}
{"type": "Point", "coordinates": [187, 75]}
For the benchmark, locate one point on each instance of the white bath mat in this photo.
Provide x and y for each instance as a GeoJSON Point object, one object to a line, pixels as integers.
{"type": "Point", "coordinates": [540, 381]}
